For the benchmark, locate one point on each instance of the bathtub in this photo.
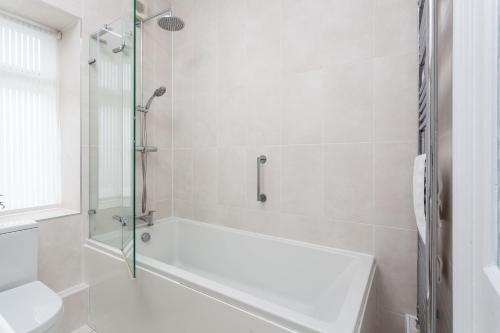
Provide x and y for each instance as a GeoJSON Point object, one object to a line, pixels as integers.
{"type": "Point", "coordinates": [296, 286]}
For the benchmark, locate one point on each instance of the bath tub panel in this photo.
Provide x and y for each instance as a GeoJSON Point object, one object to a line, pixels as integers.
{"type": "Point", "coordinates": [153, 304]}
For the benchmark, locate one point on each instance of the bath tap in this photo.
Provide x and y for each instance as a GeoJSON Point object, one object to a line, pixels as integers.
{"type": "Point", "coordinates": [148, 218]}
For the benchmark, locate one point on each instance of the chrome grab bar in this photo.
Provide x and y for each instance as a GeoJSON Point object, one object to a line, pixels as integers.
{"type": "Point", "coordinates": [260, 161]}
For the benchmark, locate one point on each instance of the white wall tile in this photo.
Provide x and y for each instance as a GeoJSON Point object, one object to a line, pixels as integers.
{"type": "Point", "coordinates": [348, 111]}
{"type": "Point", "coordinates": [185, 10]}
{"type": "Point", "coordinates": [204, 65]}
{"type": "Point", "coordinates": [60, 252]}
{"type": "Point", "coordinates": [231, 176]}
{"type": "Point", "coordinates": [346, 32]}
{"type": "Point", "coordinates": [396, 283]}
{"type": "Point", "coordinates": [159, 121]}
{"type": "Point", "coordinates": [183, 174]}
{"type": "Point", "coordinates": [353, 236]}
{"type": "Point", "coordinates": [163, 208]}
{"type": "Point", "coordinates": [204, 213]}
{"type": "Point", "coordinates": [233, 217]}
{"type": "Point", "coordinates": [205, 178]}
{"type": "Point", "coordinates": [233, 117]}
{"type": "Point", "coordinates": [160, 166]}
{"type": "Point", "coordinates": [395, 28]}
{"type": "Point", "coordinates": [301, 227]}
{"type": "Point", "coordinates": [303, 108]}
{"type": "Point", "coordinates": [302, 180]}
{"type": "Point", "coordinates": [392, 179]}
{"type": "Point", "coordinates": [232, 67]}
{"type": "Point", "coordinates": [265, 110]}
{"type": "Point", "coordinates": [204, 120]}
{"type": "Point", "coordinates": [395, 98]}
{"type": "Point", "coordinates": [348, 182]}
{"type": "Point", "coordinates": [263, 221]}
{"type": "Point", "coordinates": [183, 208]}
{"type": "Point", "coordinates": [204, 21]}
{"type": "Point", "coordinates": [182, 70]}
{"type": "Point", "coordinates": [301, 35]}
{"type": "Point", "coordinates": [183, 122]}
{"type": "Point", "coordinates": [263, 39]}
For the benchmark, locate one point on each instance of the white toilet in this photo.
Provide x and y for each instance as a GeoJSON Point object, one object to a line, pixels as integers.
{"type": "Point", "coordinates": [26, 305]}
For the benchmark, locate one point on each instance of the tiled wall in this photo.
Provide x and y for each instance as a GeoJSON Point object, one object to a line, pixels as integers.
{"type": "Point", "coordinates": [326, 89]}
{"type": "Point", "coordinates": [156, 72]}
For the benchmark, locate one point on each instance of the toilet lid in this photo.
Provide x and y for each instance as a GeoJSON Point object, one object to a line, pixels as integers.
{"type": "Point", "coordinates": [30, 308]}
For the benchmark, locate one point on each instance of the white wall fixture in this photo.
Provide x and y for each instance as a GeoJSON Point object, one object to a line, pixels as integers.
{"type": "Point", "coordinates": [26, 304]}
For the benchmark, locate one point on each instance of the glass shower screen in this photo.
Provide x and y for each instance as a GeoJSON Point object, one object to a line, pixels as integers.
{"type": "Point", "coordinates": [111, 77]}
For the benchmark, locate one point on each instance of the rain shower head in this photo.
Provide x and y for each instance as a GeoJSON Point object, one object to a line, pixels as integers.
{"type": "Point", "coordinates": [170, 23]}
{"type": "Point", "coordinates": [158, 92]}
{"type": "Point", "coordinates": [166, 20]}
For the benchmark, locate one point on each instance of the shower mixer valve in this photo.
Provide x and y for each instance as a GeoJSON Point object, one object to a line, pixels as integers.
{"type": "Point", "coordinates": [148, 218]}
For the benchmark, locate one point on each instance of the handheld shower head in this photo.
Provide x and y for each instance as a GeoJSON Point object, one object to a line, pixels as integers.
{"type": "Point", "coordinates": [158, 93]}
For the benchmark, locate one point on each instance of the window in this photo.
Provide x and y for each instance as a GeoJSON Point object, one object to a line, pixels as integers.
{"type": "Point", "coordinates": [30, 145]}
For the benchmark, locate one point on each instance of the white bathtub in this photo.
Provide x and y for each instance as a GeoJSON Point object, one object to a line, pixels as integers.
{"type": "Point", "coordinates": [297, 286]}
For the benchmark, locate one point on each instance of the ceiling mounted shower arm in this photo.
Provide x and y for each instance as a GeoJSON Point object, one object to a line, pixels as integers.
{"type": "Point", "coordinates": [149, 18]}
{"type": "Point", "coordinates": [166, 20]}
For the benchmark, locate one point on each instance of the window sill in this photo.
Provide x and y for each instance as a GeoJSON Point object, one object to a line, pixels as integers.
{"type": "Point", "coordinates": [40, 215]}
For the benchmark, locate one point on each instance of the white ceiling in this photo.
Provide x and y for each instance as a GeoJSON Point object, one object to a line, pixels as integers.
{"type": "Point", "coordinates": [38, 11]}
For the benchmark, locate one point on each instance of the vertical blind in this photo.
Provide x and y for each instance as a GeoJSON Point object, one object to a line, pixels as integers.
{"type": "Point", "coordinates": [30, 153]}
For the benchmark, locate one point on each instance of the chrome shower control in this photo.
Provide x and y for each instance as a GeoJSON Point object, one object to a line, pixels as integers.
{"type": "Point", "coordinates": [146, 237]}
